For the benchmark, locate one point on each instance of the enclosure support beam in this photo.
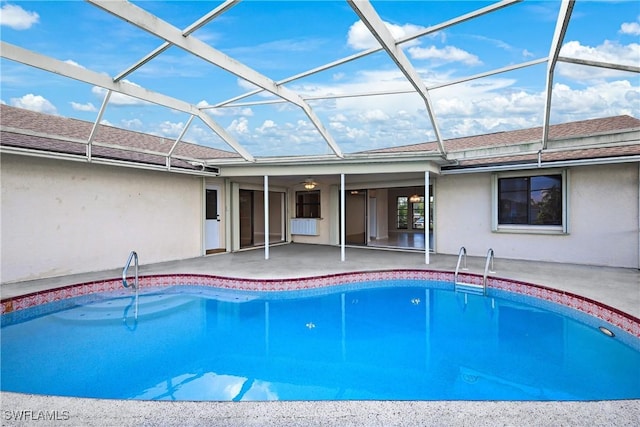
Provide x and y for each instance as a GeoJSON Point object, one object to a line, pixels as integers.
{"type": "Point", "coordinates": [427, 220]}
{"type": "Point", "coordinates": [556, 44]}
{"type": "Point", "coordinates": [342, 219]}
{"type": "Point", "coordinates": [266, 217]}
{"type": "Point", "coordinates": [94, 130]}
{"type": "Point", "coordinates": [379, 30]}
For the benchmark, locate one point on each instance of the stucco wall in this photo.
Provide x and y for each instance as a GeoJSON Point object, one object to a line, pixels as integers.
{"type": "Point", "coordinates": [327, 214]}
{"type": "Point", "coordinates": [602, 215]}
{"type": "Point", "coordinates": [61, 217]}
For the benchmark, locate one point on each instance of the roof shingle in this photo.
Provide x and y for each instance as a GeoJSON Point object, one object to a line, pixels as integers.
{"type": "Point", "coordinates": [66, 135]}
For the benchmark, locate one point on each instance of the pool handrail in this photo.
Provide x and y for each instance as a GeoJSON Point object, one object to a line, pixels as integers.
{"type": "Point", "coordinates": [480, 289]}
{"type": "Point", "coordinates": [462, 255]}
{"type": "Point", "coordinates": [133, 255]}
{"type": "Point", "coordinates": [490, 256]}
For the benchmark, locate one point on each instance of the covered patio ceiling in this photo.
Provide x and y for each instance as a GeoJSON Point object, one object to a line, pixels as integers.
{"type": "Point", "coordinates": [280, 79]}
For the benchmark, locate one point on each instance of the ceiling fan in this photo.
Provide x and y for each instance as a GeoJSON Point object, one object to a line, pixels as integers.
{"type": "Point", "coordinates": [309, 184]}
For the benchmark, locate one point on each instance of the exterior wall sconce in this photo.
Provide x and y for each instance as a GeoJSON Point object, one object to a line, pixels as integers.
{"type": "Point", "coordinates": [414, 198]}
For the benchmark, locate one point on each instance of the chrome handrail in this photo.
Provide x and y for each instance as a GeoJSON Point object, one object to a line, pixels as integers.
{"type": "Point", "coordinates": [132, 255]}
{"type": "Point", "coordinates": [461, 254]}
{"type": "Point", "coordinates": [490, 255]}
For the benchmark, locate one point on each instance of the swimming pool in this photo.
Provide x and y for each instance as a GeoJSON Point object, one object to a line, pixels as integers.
{"type": "Point", "coordinates": [398, 337]}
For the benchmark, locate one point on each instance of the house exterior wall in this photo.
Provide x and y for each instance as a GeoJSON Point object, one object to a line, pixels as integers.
{"type": "Point", "coordinates": [382, 212]}
{"type": "Point", "coordinates": [602, 219]}
{"type": "Point", "coordinates": [327, 214]}
{"type": "Point", "coordinates": [61, 217]}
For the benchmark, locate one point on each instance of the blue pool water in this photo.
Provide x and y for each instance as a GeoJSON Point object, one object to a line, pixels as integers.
{"type": "Point", "coordinates": [402, 340]}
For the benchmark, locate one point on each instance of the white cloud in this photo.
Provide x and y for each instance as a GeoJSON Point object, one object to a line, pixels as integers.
{"type": "Point", "coordinates": [34, 103]}
{"type": "Point", "coordinates": [359, 37]}
{"type": "Point", "coordinates": [132, 124]}
{"type": "Point", "coordinates": [267, 126]}
{"type": "Point", "coordinates": [609, 51]}
{"type": "Point", "coordinates": [527, 54]}
{"type": "Point", "coordinates": [83, 107]}
{"type": "Point", "coordinates": [16, 17]}
{"type": "Point", "coordinates": [445, 55]}
{"type": "Point", "coordinates": [604, 99]}
{"type": "Point", "coordinates": [338, 118]}
{"type": "Point", "coordinates": [239, 126]}
{"type": "Point", "coordinates": [171, 129]}
{"type": "Point", "coordinates": [338, 76]}
{"type": "Point", "coordinates": [631, 28]}
{"type": "Point", "coordinates": [119, 99]}
{"type": "Point", "coordinates": [375, 115]}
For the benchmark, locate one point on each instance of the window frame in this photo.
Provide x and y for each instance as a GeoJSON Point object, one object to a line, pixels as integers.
{"type": "Point", "coordinates": [405, 210]}
{"type": "Point", "coordinates": [414, 210]}
{"type": "Point", "coordinates": [530, 228]}
{"type": "Point", "coordinates": [318, 204]}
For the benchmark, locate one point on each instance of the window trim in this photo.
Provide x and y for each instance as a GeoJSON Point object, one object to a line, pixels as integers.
{"type": "Point", "coordinates": [527, 228]}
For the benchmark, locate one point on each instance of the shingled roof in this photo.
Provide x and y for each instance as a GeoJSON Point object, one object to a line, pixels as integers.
{"type": "Point", "coordinates": [559, 132]}
{"type": "Point", "coordinates": [44, 132]}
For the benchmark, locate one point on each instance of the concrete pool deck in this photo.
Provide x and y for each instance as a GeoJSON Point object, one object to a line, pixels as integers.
{"type": "Point", "coordinates": [616, 287]}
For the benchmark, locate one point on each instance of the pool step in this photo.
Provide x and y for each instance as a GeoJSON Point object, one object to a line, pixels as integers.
{"type": "Point", "coordinates": [148, 305]}
{"type": "Point", "coordinates": [469, 288]}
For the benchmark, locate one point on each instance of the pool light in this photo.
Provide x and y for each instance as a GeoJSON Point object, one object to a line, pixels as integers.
{"type": "Point", "coordinates": [606, 331]}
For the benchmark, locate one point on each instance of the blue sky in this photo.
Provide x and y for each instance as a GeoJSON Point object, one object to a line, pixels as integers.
{"type": "Point", "coordinates": [280, 39]}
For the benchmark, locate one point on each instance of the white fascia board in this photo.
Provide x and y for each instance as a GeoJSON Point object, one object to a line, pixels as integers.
{"type": "Point", "coordinates": [84, 75]}
{"type": "Point", "coordinates": [329, 168]}
{"type": "Point", "coordinates": [379, 30]}
{"type": "Point", "coordinates": [159, 28]}
{"type": "Point", "coordinates": [492, 152]}
{"type": "Point", "coordinates": [604, 140]}
{"type": "Point", "coordinates": [371, 158]}
{"type": "Point", "coordinates": [599, 140]}
{"type": "Point", "coordinates": [99, 161]}
{"type": "Point", "coordinates": [536, 165]}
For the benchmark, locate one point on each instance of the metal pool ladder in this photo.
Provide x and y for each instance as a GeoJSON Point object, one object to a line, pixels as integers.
{"type": "Point", "coordinates": [472, 288]}
{"type": "Point", "coordinates": [133, 256]}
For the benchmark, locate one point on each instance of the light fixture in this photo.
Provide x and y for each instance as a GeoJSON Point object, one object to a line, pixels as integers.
{"type": "Point", "coordinates": [309, 184]}
{"type": "Point", "coordinates": [414, 198]}
{"type": "Point", "coordinates": [607, 331]}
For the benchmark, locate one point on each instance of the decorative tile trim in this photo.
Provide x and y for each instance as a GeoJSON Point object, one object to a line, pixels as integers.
{"type": "Point", "coordinates": [593, 308]}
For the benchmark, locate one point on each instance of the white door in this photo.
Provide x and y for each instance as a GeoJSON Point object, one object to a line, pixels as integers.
{"type": "Point", "coordinates": [212, 220]}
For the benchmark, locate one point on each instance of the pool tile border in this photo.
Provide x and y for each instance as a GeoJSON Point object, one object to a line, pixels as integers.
{"type": "Point", "coordinates": [615, 317]}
